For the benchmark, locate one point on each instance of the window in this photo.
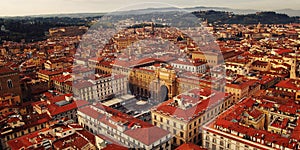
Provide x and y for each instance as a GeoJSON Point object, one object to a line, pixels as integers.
{"type": "Point", "coordinates": [174, 139]}
{"type": "Point", "coordinates": [9, 83]}
{"type": "Point", "coordinates": [207, 144]}
{"type": "Point", "coordinates": [181, 134]}
{"type": "Point", "coordinates": [207, 138]}
{"type": "Point", "coordinates": [214, 140]}
{"type": "Point", "coordinates": [214, 146]}
{"type": "Point", "coordinates": [181, 142]}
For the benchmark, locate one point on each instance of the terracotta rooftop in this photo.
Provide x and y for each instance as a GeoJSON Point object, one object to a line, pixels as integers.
{"type": "Point", "coordinates": [79, 139]}
{"type": "Point", "coordinates": [49, 73]}
{"type": "Point", "coordinates": [289, 84]}
{"type": "Point", "coordinates": [198, 105]}
{"type": "Point", "coordinates": [189, 146]}
{"type": "Point", "coordinates": [231, 119]}
{"type": "Point", "coordinates": [147, 133]}
{"type": "Point", "coordinates": [6, 70]}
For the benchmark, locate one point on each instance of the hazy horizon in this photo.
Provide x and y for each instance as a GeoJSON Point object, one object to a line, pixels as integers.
{"type": "Point", "coordinates": [44, 7]}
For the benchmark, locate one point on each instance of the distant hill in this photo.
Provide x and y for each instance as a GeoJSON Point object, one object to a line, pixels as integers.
{"type": "Point", "coordinates": [72, 15]}
{"type": "Point", "coordinates": [289, 12]}
{"type": "Point", "coordinates": [35, 28]}
{"type": "Point", "coordinates": [259, 17]}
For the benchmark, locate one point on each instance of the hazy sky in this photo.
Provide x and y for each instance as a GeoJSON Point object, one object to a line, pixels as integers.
{"type": "Point", "coordinates": [36, 7]}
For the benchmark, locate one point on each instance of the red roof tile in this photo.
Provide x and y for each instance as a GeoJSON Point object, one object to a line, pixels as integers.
{"type": "Point", "coordinates": [6, 70]}
{"type": "Point", "coordinates": [289, 84]}
{"type": "Point", "coordinates": [189, 146]}
{"type": "Point", "coordinates": [147, 135]}
{"type": "Point", "coordinates": [191, 112]}
{"type": "Point", "coordinates": [114, 147]}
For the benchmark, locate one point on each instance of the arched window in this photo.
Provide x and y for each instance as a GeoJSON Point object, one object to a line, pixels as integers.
{"type": "Point", "coordinates": [9, 84]}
